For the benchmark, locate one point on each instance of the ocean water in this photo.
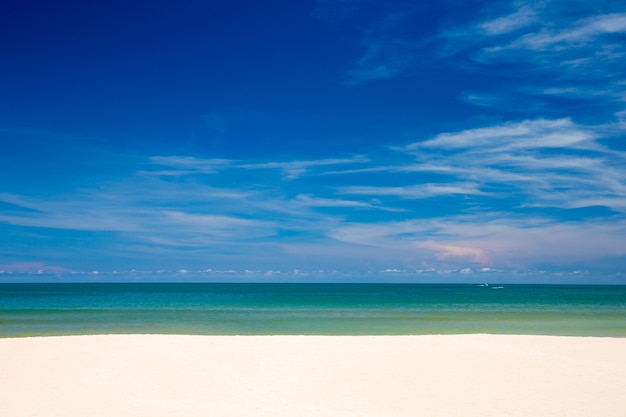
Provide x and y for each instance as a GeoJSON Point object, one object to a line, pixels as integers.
{"type": "Point", "coordinates": [315, 309]}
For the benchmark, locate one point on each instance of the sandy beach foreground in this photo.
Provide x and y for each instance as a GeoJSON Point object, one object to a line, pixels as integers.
{"type": "Point", "coordinates": [465, 375]}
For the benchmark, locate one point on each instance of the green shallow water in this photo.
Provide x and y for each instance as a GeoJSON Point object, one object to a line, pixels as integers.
{"type": "Point", "coordinates": [329, 309]}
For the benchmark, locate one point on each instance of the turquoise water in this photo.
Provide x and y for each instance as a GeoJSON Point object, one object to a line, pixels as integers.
{"type": "Point", "coordinates": [330, 309]}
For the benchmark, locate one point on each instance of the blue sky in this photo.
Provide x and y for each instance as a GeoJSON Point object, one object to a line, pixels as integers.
{"type": "Point", "coordinates": [313, 140]}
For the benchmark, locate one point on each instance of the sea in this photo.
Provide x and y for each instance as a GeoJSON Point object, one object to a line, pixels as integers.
{"type": "Point", "coordinates": [310, 309]}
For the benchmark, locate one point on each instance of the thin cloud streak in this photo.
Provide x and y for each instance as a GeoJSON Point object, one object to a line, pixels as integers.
{"type": "Point", "coordinates": [415, 191]}
{"type": "Point", "coordinates": [581, 33]}
{"type": "Point", "coordinates": [311, 201]}
{"type": "Point", "coordinates": [294, 169]}
{"type": "Point", "coordinates": [521, 18]}
{"type": "Point", "coordinates": [527, 134]}
{"type": "Point", "coordinates": [187, 165]}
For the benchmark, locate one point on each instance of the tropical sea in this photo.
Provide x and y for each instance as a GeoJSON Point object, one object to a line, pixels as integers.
{"type": "Point", "coordinates": [310, 309]}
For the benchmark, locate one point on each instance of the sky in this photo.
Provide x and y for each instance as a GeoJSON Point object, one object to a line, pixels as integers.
{"type": "Point", "coordinates": [328, 140]}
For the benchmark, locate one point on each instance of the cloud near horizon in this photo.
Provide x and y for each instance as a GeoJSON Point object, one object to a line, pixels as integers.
{"type": "Point", "coordinates": [475, 255]}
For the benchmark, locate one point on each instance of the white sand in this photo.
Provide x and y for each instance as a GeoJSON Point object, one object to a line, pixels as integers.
{"type": "Point", "coordinates": [297, 376]}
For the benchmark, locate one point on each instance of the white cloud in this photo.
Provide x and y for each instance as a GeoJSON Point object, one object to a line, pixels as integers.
{"type": "Point", "coordinates": [328, 202]}
{"type": "Point", "coordinates": [578, 34]}
{"type": "Point", "coordinates": [555, 163]}
{"type": "Point", "coordinates": [32, 267]}
{"type": "Point", "coordinates": [311, 201]}
{"type": "Point", "coordinates": [174, 219]}
{"type": "Point", "coordinates": [207, 219]}
{"type": "Point", "coordinates": [449, 251]}
{"type": "Point", "coordinates": [415, 191]}
{"type": "Point", "coordinates": [492, 241]}
{"type": "Point", "coordinates": [513, 135]}
{"type": "Point", "coordinates": [571, 50]}
{"type": "Point", "coordinates": [295, 169]}
{"type": "Point", "coordinates": [186, 165]}
{"type": "Point", "coordinates": [142, 207]}
{"type": "Point", "coordinates": [521, 18]}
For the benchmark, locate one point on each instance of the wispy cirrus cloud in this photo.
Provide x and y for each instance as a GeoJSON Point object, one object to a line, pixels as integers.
{"type": "Point", "coordinates": [163, 215]}
{"type": "Point", "coordinates": [294, 169]}
{"type": "Point", "coordinates": [570, 50]}
{"type": "Point", "coordinates": [415, 191]}
{"type": "Point", "coordinates": [523, 17]}
{"type": "Point", "coordinates": [312, 201]}
{"type": "Point", "coordinates": [221, 226]}
{"type": "Point", "coordinates": [535, 51]}
{"type": "Point", "coordinates": [581, 56]}
{"type": "Point", "coordinates": [554, 163]}
{"type": "Point", "coordinates": [139, 206]}
{"type": "Point", "coordinates": [577, 34]}
{"type": "Point", "coordinates": [531, 171]}
{"type": "Point", "coordinates": [496, 240]}
{"type": "Point", "coordinates": [491, 178]}
{"type": "Point", "coordinates": [527, 134]}
{"type": "Point", "coordinates": [186, 165]}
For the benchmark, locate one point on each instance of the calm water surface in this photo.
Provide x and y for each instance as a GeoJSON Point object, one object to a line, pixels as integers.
{"type": "Point", "coordinates": [331, 309]}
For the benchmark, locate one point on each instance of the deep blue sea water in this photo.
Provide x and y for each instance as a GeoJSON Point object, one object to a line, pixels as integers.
{"type": "Point", "coordinates": [327, 309]}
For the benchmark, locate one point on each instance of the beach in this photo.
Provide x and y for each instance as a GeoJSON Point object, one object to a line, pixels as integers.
{"type": "Point", "coordinates": [448, 375]}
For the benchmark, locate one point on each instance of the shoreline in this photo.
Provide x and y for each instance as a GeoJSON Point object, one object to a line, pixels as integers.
{"type": "Point", "coordinates": [431, 375]}
{"type": "Point", "coordinates": [305, 335]}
